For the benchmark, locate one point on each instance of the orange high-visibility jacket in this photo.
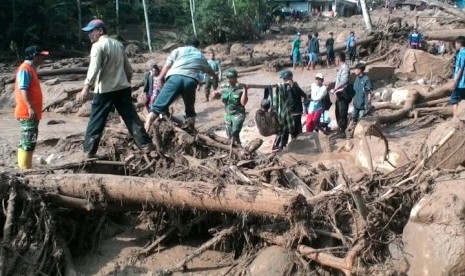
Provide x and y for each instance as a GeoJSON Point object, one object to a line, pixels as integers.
{"type": "Point", "coordinates": [34, 92]}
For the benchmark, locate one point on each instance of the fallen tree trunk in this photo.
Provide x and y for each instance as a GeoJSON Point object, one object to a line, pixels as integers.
{"type": "Point", "coordinates": [445, 7]}
{"type": "Point", "coordinates": [446, 35]}
{"type": "Point", "coordinates": [401, 113]}
{"type": "Point", "coordinates": [196, 195]}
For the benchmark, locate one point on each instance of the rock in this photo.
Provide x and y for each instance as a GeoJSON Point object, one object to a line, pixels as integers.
{"type": "Point", "coordinates": [399, 96]}
{"type": "Point", "coordinates": [342, 37]}
{"type": "Point", "coordinates": [433, 237]}
{"type": "Point", "coordinates": [386, 95]}
{"type": "Point", "coordinates": [238, 49]}
{"type": "Point", "coordinates": [85, 109]}
{"type": "Point", "coordinates": [50, 158]}
{"type": "Point", "coordinates": [421, 82]}
{"type": "Point", "coordinates": [424, 65]}
{"type": "Point", "coordinates": [41, 160]}
{"type": "Point", "coordinates": [132, 50]}
{"type": "Point", "coordinates": [272, 261]}
{"type": "Point", "coordinates": [52, 81]}
{"type": "Point", "coordinates": [66, 108]}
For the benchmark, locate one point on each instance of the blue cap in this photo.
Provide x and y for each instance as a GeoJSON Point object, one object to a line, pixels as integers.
{"type": "Point", "coordinates": [96, 23]}
{"type": "Point", "coordinates": [285, 74]}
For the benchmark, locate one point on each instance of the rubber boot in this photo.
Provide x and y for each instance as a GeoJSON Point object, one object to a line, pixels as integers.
{"type": "Point", "coordinates": [24, 159]}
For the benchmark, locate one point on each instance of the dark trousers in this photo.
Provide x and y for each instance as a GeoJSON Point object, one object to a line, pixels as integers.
{"type": "Point", "coordinates": [281, 140]}
{"type": "Point", "coordinates": [102, 104]}
{"type": "Point", "coordinates": [297, 125]}
{"type": "Point", "coordinates": [342, 109]}
{"type": "Point", "coordinates": [175, 86]}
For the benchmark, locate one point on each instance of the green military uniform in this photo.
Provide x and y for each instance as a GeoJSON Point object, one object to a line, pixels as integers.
{"type": "Point", "coordinates": [235, 111]}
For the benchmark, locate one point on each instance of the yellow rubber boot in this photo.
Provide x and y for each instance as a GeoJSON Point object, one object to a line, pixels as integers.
{"type": "Point", "coordinates": [24, 159]}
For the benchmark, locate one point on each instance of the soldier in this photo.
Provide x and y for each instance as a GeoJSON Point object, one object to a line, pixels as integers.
{"type": "Point", "coordinates": [234, 96]}
{"type": "Point", "coordinates": [211, 82]}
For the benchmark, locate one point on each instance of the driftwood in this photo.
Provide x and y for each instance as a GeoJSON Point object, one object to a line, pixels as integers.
{"type": "Point", "coordinates": [195, 195]}
{"type": "Point", "coordinates": [400, 114]}
{"type": "Point", "coordinates": [446, 35]}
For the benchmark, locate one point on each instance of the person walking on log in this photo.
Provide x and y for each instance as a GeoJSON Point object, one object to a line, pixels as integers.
{"type": "Point", "coordinates": [181, 71]}
{"type": "Point", "coordinates": [29, 101]}
{"type": "Point", "coordinates": [110, 74]}
{"type": "Point", "coordinates": [234, 96]}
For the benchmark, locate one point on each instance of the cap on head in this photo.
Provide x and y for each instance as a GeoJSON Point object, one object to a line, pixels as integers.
{"type": "Point", "coordinates": [96, 23]}
{"type": "Point", "coordinates": [297, 34]}
{"type": "Point", "coordinates": [232, 73]}
{"type": "Point", "coordinates": [285, 74]}
{"type": "Point", "coordinates": [360, 66]}
{"type": "Point", "coordinates": [319, 76]}
{"type": "Point", "coordinates": [35, 50]}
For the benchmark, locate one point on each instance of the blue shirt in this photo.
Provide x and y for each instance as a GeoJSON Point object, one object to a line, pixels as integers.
{"type": "Point", "coordinates": [351, 41]}
{"type": "Point", "coordinates": [460, 64]}
{"type": "Point", "coordinates": [24, 78]}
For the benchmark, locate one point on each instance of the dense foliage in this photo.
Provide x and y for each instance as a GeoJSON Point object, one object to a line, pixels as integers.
{"type": "Point", "coordinates": [55, 23]}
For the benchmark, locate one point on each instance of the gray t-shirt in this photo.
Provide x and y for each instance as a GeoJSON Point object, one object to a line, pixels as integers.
{"type": "Point", "coordinates": [188, 61]}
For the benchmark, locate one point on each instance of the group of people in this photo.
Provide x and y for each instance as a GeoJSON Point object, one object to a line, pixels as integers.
{"type": "Point", "coordinates": [311, 56]}
{"type": "Point", "coordinates": [110, 74]}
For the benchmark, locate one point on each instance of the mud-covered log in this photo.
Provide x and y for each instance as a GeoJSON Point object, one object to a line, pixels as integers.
{"type": "Point", "coordinates": [445, 7]}
{"type": "Point", "coordinates": [195, 195]}
{"type": "Point", "coordinates": [446, 35]}
{"type": "Point", "coordinates": [400, 114]}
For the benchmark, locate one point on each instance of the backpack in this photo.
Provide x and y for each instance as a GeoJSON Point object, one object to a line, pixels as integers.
{"type": "Point", "coordinates": [267, 122]}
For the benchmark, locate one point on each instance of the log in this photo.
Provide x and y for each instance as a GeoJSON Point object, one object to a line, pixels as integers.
{"type": "Point", "coordinates": [446, 35]}
{"type": "Point", "coordinates": [438, 93]}
{"type": "Point", "coordinates": [250, 69]}
{"type": "Point", "coordinates": [445, 7]}
{"type": "Point", "coordinates": [402, 113]}
{"type": "Point", "coordinates": [433, 102]}
{"type": "Point", "coordinates": [381, 57]}
{"type": "Point", "coordinates": [260, 201]}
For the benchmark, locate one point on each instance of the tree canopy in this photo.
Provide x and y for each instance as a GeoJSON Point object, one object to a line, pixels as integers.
{"type": "Point", "coordinates": [57, 23]}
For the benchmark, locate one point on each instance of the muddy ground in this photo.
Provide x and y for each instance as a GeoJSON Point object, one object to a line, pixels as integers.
{"type": "Point", "coordinates": [116, 253]}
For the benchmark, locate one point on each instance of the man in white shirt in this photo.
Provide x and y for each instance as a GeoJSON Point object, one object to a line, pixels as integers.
{"type": "Point", "coordinates": [315, 109]}
{"type": "Point", "coordinates": [110, 74]}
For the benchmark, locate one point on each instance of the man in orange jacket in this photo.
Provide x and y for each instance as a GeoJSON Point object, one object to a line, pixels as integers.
{"type": "Point", "coordinates": [28, 97]}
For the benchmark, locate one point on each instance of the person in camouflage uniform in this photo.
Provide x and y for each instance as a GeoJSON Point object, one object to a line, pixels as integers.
{"type": "Point", "coordinates": [210, 82]}
{"type": "Point", "coordinates": [234, 96]}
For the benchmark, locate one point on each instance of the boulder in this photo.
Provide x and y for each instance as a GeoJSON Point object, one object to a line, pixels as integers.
{"type": "Point", "coordinates": [238, 49]}
{"type": "Point", "coordinates": [85, 109]}
{"type": "Point", "coordinates": [434, 242]}
{"type": "Point", "coordinates": [272, 261]}
{"type": "Point", "coordinates": [424, 65]}
{"type": "Point", "coordinates": [399, 96]}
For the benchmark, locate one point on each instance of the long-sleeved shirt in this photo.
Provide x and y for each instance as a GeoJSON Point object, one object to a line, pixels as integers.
{"type": "Point", "coordinates": [317, 94]}
{"type": "Point", "coordinates": [109, 68]}
{"type": "Point", "coordinates": [188, 61]}
{"type": "Point", "coordinates": [295, 94]}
